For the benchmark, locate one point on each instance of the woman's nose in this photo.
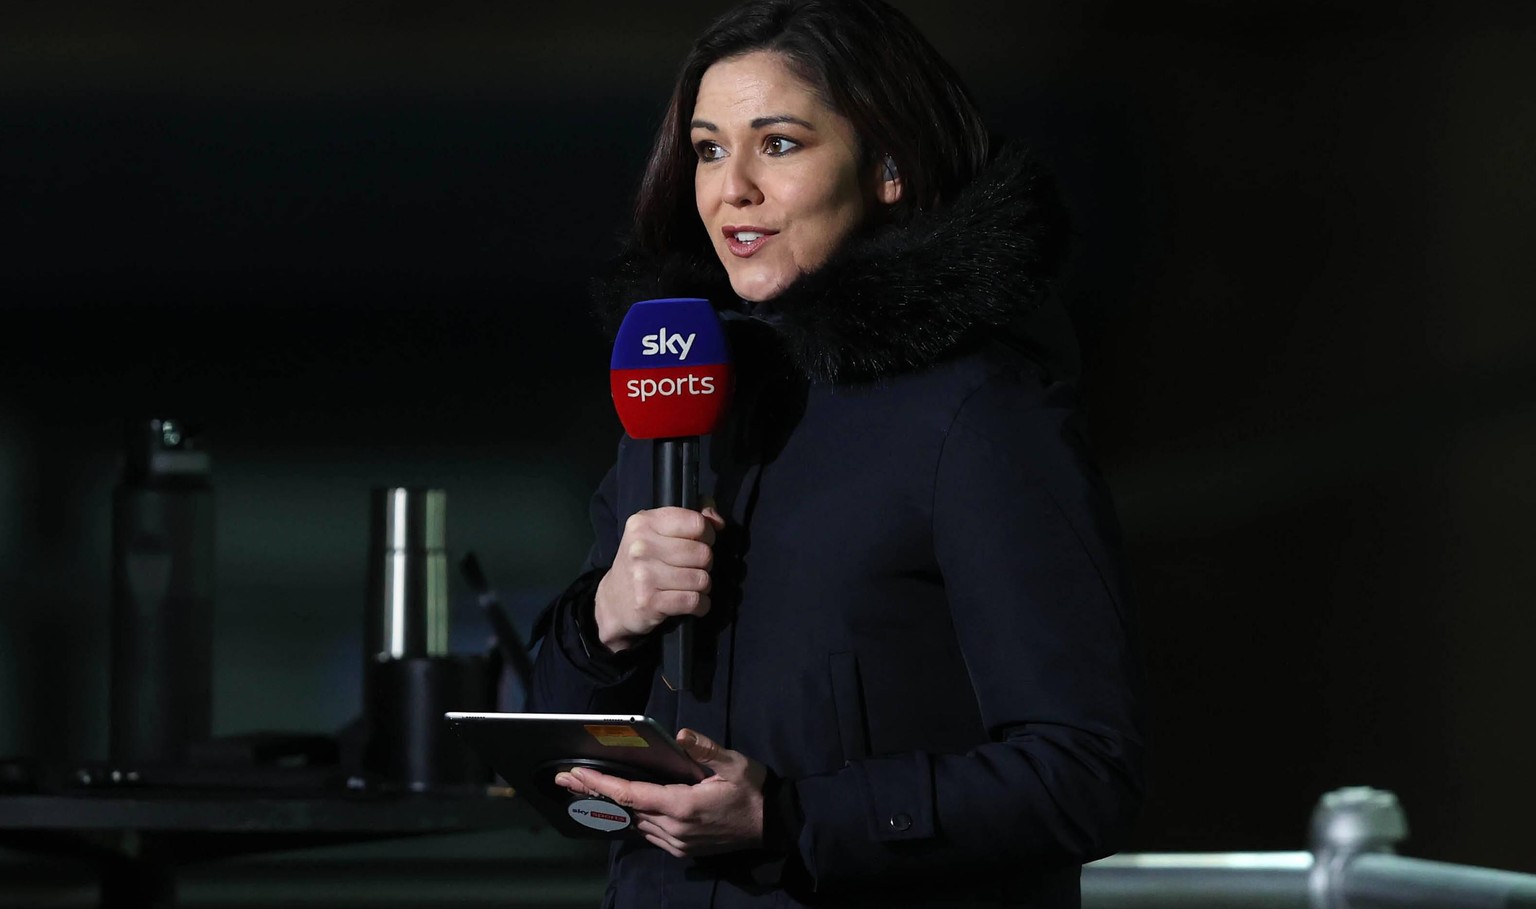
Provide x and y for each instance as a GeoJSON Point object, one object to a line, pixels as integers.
{"type": "Point", "coordinates": [740, 186]}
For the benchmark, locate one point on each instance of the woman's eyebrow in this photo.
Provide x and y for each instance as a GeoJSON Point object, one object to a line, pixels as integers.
{"type": "Point", "coordinates": [758, 123]}
{"type": "Point", "coordinates": [761, 122]}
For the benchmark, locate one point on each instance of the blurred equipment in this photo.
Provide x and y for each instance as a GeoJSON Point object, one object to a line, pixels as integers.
{"type": "Point", "coordinates": [1352, 864]}
{"type": "Point", "coordinates": [409, 678]}
{"type": "Point", "coordinates": [162, 595]}
{"type": "Point", "coordinates": [407, 613]}
{"type": "Point", "coordinates": [516, 669]}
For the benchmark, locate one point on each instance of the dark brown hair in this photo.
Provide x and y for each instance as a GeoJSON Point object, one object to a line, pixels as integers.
{"type": "Point", "coordinates": [868, 62]}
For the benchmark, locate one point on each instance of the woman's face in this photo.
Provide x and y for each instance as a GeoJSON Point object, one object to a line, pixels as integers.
{"type": "Point", "coordinates": [779, 184]}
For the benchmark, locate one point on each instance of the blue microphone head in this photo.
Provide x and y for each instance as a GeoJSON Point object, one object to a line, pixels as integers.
{"type": "Point", "coordinates": [670, 375]}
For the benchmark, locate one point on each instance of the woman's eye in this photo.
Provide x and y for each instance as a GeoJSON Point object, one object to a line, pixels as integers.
{"type": "Point", "coordinates": [708, 151]}
{"type": "Point", "coordinates": [779, 145]}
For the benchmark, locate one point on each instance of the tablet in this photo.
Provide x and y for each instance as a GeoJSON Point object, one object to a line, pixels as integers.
{"type": "Point", "coordinates": [528, 749]}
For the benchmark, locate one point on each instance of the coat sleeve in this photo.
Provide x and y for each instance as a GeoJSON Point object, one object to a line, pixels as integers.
{"type": "Point", "coordinates": [1026, 542]}
{"type": "Point", "coordinates": [571, 674]}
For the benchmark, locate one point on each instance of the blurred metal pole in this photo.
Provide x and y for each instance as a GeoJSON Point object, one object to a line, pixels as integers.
{"type": "Point", "coordinates": [1219, 880]}
{"type": "Point", "coordinates": [407, 612]}
{"type": "Point", "coordinates": [1381, 881]}
{"type": "Point", "coordinates": [1351, 866]}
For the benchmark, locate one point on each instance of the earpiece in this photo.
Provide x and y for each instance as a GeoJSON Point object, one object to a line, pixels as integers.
{"type": "Point", "coordinates": [890, 169]}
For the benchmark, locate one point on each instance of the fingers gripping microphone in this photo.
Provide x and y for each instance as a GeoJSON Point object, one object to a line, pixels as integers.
{"type": "Point", "coordinates": [671, 379]}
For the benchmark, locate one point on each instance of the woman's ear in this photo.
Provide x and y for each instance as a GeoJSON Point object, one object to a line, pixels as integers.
{"type": "Point", "coordinates": [888, 189]}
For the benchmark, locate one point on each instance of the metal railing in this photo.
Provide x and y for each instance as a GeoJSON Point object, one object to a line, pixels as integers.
{"type": "Point", "coordinates": [1351, 865]}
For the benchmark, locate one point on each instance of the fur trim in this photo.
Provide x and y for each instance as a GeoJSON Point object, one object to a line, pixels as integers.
{"type": "Point", "coordinates": [901, 297]}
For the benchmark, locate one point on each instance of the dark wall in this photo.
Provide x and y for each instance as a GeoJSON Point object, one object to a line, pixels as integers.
{"type": "Point", "coordinates": [355, 243]}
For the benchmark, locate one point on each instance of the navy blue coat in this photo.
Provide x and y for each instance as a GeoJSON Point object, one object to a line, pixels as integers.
{"type": "Point", "coordinates": [920, 626]}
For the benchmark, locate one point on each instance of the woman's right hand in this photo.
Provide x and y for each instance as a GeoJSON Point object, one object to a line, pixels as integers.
{"type": "Point", "coordinates": [661, 571]}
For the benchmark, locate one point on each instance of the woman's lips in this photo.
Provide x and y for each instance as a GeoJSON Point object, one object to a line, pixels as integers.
{"type": "Point", "coordinates": [746, 247]}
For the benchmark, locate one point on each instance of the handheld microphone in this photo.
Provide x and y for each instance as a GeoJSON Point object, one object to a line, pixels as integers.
{"type": "Point", "coordinates": [670, 377]}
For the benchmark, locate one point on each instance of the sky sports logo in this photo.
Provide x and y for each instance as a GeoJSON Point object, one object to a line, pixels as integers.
{"type": "Point", "coordinates": [645, 389]}
{"type": "Point", "coordinates": [599, 814]}
{"type": "Point", "coordinates": [662, 343]}
{"type": "Point", "coordinates": [674, 344]}
{"type": "Point", "coordinates": [602, 815]}
{"type": "Point", "coordinates": [671, 370]}
{"type": "Point", "coordinates": [605, 816]}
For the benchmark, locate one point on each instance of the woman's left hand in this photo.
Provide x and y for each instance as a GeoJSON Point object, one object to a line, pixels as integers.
{"type": "Point", "coordinates": [720, 814]}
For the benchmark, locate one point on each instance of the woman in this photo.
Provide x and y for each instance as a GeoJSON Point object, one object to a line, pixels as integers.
{"type": "Point", "coordinates": [918, 685]}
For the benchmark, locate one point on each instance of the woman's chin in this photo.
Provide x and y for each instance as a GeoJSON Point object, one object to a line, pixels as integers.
{"type": "Point", "coordinates": [758, 288]}
{"type": "Point", "coordinates": [754, 293]}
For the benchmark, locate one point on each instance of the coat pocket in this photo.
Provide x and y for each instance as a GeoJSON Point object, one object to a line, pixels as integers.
{"type": "Point", "coordinates": [848, 702]}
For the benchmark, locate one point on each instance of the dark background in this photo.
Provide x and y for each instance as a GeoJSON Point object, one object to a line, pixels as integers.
{"type": "Point", "coordinates": [354, 242]}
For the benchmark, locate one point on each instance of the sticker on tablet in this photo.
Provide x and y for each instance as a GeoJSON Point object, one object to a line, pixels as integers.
{"type": "Point", "coordinates": [618, 736]}
{"type": "Point", "coordinates": [599, 815]}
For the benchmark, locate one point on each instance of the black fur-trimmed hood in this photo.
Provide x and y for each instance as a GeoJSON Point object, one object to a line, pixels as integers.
{"type": "Point", "coordinates": [901, 297]}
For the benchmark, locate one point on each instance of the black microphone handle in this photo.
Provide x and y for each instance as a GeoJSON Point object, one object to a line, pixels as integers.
{"type": "Point", "coordinates": [675, 481]}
